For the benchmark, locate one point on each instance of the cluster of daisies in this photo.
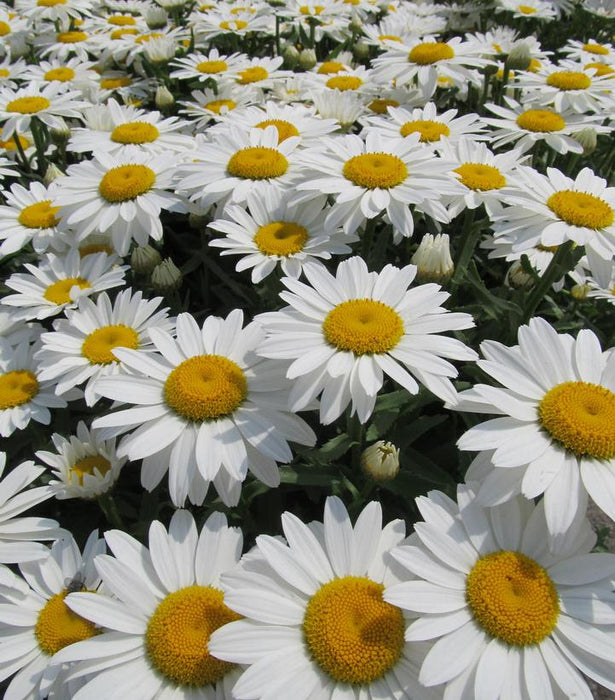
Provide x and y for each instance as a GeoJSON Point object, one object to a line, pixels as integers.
{"type": "Point", "coordinates": [344, 153]}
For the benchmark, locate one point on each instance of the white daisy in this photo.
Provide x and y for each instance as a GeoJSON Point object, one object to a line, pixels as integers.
{"type": "Point", "coordinates": [208, 409]}
{"type": "Point", "coordinates": [344, 333]}
{"type": "Point", "coordinates": [345, 107]}
{"type": "Point", "coordinates": [79, 74]}
{"type": "Point", "coordinates": [505, 616]}
{"type": "Point", "coordinates": [529, 9]}
{"type": "Point", "coordinates": [80, 349]}
{"type": "Point", "coordinates": [314, 613]}
{"type": "Point", "coordinates": [261, 73]}
{"type": "Point", "coordinates": [590, 50]}
{"type": "Point", "coordinates": [208, 105]}
{"type": "Point", "coordinates": [202, 67]}
{"type": "Point", "coordinates": [52, 11]}
{"type": "Point", "coordinates": [167, 602]}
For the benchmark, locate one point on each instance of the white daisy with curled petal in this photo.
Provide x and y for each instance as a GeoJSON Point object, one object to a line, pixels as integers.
{"type": "Point", "coordinates": [344, 333]}
{"type": "Point", "coordinates": [36, 623]}
{"type": "Point", "coordinates": [506, 618]}
{"type": "Point", "coordinates": [315, 623]}
{"type": "Point", "coordinates": [555, 430]}
{"type": "Point", "coordinates": [208, 409]}
{"type": "Point", "coordinates": [166, 604]}
{"type": "Point", "coordinates": [203, 67]}
{"type": "Point", "coordinates": [209, 106]}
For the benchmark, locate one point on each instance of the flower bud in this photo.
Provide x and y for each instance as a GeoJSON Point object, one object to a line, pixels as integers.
{"type": "Point", "coordinates": [580, 292]}
{"type": "Point", "coordinates": [517, 277]}
{"type": "Point", "coordinates": [60, 133]}
{"type": "Point", "coordinates": [433, 259]}
{"type": "Point", "coordinates": [361, 50]}
{"type": "Point", "coordinates": [144, 259]}
{"type": "Point", "coordinates": [588, 139]}
{"type": "Point", "coordinates": [307, 59]}
{"type": "Point", "coordinates": [155, 18]}
{"type": "Point", "coordinates": [198, 222]}
{"type": "Point", "coordinates": [164, 98]}
{"type": "Point", "coordinates": [380, 461]}
{"type": "Point", "coordinates": [291, 56]}
{"type": "Point", "coordinates": [356, 26]}
{"type": "Point", "coordinates": [167, 277]}
{"type": "Point", "coordinates": [52, 173]}
{"type": "Point", "coordinates": [519, 57]}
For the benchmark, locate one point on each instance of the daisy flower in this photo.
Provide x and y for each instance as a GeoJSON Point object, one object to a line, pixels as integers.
{"type": "Point", "coordinates": [121, 194]}
{"type": "Point", "coordinates": [11, 72]}
{"type": "Point", "coordinates": [167, 603]}
{"type": "Point", "coordinates": [505, 616]}
{"type": "Point", "coordinates": [551, 209]}
{"type": "Point", "coordinates": [208, 105]}
{"type": "Point", "coordinates": [64, 41]}
{"type": "Point", "coordinates": [17, 534]}
{"type": "Point", "coordinates": [401, 27]}
{"type": "Point", "coordinates": [23, 396]}
{"type": "Point", "coordinates": [36, 623]}
{"type": "Point", "coordinates": [590, 50]}
{"type": "Point", "coordinates": [58, 282]}
{"type": "Point", "coordinates": [357, 80]}
{"type": "Point", "coordinates": [80, 349]}
{"type": "Point", "coordinates": [77, 73]}
{"type": "Point", "coordinates": [202, 67]}
{"type": "Point", "coordinates": [554, 433]}
{"type": "Point", "coordinates": [222, 23]}
{"type": "Point", "coordinates": [53, 11]}
{"type": "Point", "coordinates": [208, 409]}
{"type": "Point", "coordinates": [377, 175]}
{"type": "Point", "coordinates": [260, 73]}
{"type": "Point", "coordinates": [344, 333]}
{"type": "Point", "coordinates": [344, 107]}
{"type": "Point", "coordinates": [532, 9]}
{"type": "Point", "coordinates": [315, 616]}
{"type": "Point", "coordinates": [275, 232]}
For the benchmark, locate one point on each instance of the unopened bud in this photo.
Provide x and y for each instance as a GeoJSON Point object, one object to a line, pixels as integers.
{"type": "Point", "coordinates": [60, 133]}
{"type": "Point", "coordinates": [361, 50]}
{"type": "Point", "coordinates": [167, 277]}
{"type": "Point", "coordinates": [588, 139]}
{"type": "Point", "coordinates": [519, 57]}
{"type": "Point", "coordinates": [356, 26]}
{"type": "Point", "coordinates": [52, 173]}
{"type": "Point", "coordinates": [380, 461]}
{"type": "Point", "coordinates": [307, 59]}
{"type": "Point", "coordinates": [290, 55]}
{"type": "Point", "coordinates": [433, 259]}
{"type": "Point", "coordinates": [164, 98]}
{"type": "Point", "coordinates": [517, 277]}
{"type": "Point", "coordinates": [144, 259]}
{"type": "Point", "coordinates": [198, 222]}
{"type": "Point", "coordinates": [155, 17]}
{"type": "Point", "coordinates": [580, 292]}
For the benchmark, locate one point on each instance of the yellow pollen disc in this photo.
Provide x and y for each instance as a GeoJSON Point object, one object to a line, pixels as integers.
{"type": "Point", "coordinates": [114, 83]}
{"type": "Point", "coordinates": [211, 67]}
{"type": "Point", "coordinates": [148, 37]}
{"type": "Point", "coordinates": [330, 68]}
{"type": "Point", "coordinates": [306, 10]}
{"type": "Point", "coordinates": [50, 3]}
{"type": "Point", "coordinates": [598, 49]}
{"type": "Point", "coordinates": [59, 292]}
{"type": "Point", "coordinates": [285, 129]}
{"type": "Point", "coordinates": [430, 131]}
{"type": "Point", "coordinates": [71, 37]}
{"type": "Point", "coordinates": [344, 82]}
{"type": "Point", "coordinates": [431, 52]}
{"type": "Point", "coordinates": [569, 80]}
{"type": "Point", "coordinates": [92, 248]}
{"type": "Point", "coordinates": [98, 344]}
{"type": "Point", "coordinates": [354, 636]}
{"type": "Point", "coordinates": [39, 215]}
{"type": "Point", "coordinates": [126, 182]}
{"type": "Point", "coordinates": [239, 24]}
{"type": "Point", "coordinates": [61, 75]}
{"type": "Point", "coordinates": [363, 326]}
{"type": "Point", "coordinates": [581, 209]}
{"type": "Point", "coordinates": [380, 106]}
{"type": "Point", "coordinates": [28, 105]}
{"type": "Point", "coordinates": [512, 598]}
{"type": "Point", "coordinates": [216, 106]}
{"type": "Point", "coordinates": [205, 387]}
{"type": "Point", "coordinates": [497, 47]}
{"type": "Point", "coordinates": [478, 176]}
{"type": "Point", "coordinates": [135, 132]}
{"type": "Point", "coordinates": [87, 465]}
{"type": "Point", "coordinates": [372, 170]}
{"type": "Point", "coordinates": [119, 33]}
{"type": "Point", "coordinates": [17, 387]}
{"type": "Point", "coordinates": [526, 9]}
{"type": "Point", "coordinates": [178, 634]}
{"type": "Point", "coordinates": [11, 144]}
{"type": "Point", "coordinates": [581, 416]}
{"type": "Point", "coordinates": [58, 626]}
{"type": "Point", "coordinates": [257, 163]}
{"type": "Point", "coordinates": [389, 37]}
{"type": "Point", "coordinates": [540, 120]}
{"type": "Point", "coordinates": [4, 29]}
{"type": "Point", "coordinates": [4, 73]}
{"type": "Point", "coordinates": [252, 75]}
{"type": "Point", "coordinates": [281, 238]}
{"type": "Point", "coordinates": [122, 20]}
{"type": "Point", "coordinates": [535, 65]}
{"type": "Point", "coordinates": [601, 69]}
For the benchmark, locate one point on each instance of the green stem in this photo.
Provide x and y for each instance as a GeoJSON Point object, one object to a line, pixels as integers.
{"type": "Point", "coordinates": [368, 237]}
{"type": "Point", "coordinates": [21, 153]}
{"type": "Point", "coordinates": [354, 430]}
{"type": "Point", "coordinates": [109, 508]}
{"type": "Point", "coordinates": [470, 236]}
{"type": "Point", "coordinates": [39, 142]}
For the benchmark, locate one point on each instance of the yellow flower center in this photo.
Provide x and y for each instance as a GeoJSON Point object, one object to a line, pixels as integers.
{"type": "Point", "coordinates": [535, 65]}
{"type": "Point", "coordinates": [526, 9]}
{"type": "Point", "coordinates": [569, 80]}
{"type": "Point", "coordinates": [330, 67]}
{"type": "Point", "coordinates": [281, 238]}
{"type": "Point", "coordinates": [380, 106]}
{"type": "Point", "coordinates": [92, 248]}
{"type": "Point", "coordinates": [430, 52]}
{"type": "Point", "coordinates": [59, 292]}
{"type": "Point", "coordinates": [11, 144]}
{"type": "Point", "coordinates": [114, 83]}
{"type": "Point", "coordinates": [148, 37]}
{"type": "Point", "coordinates": [122, 20]}
{"type": "Point", "coordinates": [257, 163]}
{"type": "Point", "coordinates": [597, 49]}
{"type": "Point", "coordinates": [252, 75]}
{"type": "Point", "coordinates": [87, 465]}
{"type": "Point", "coordinates": [135, 132]}
{"type": "Point", "coordinates": [4, 29]}
{"type": "Point", "coordinates": [307, 10]}
{"type": "Point", "coordinates": [344, 82]}
{"type": "Point", "coordinates": [389, 37]}
{"type": "Point", "coordinates": [372, 170]}
{"type": "Point", "coordinates": [126, 182]}
{"type": "Point", "coordinates": [211, 67]}
{"type": "Point", "coordinates": [17, 387]}
{"type": "Point", "coordinates": [58, 626]}
{"type": "Point", "coordinates": [39, 215]}
{"type": "Point", "coordinates": [178, 635]}
{"type": "Point", "coordinates": [285, 129]}
{"type": "Point", "coordinates": [216, 106]}
{"type": "Point", "coordinates": [119, 33]}
{"type": "Point", "coordinates": [98, 344]}
{"type": "Point", "coordinates": [354, 636]}
{"type": "Point", "coordinates": [50, 3]}
{"type": "Point", "coordinates": [581, 209]}
{"type": "Point", "coordinates": [478, 176]}
{"type": "Point", "coordinates": [4, 73]}
{"type": "Point", "coordinates": [601, 68]}
{"type": "Point", "coordinates": [512, 598]}
{"type": "Point", "coordinates": [205, 387]}
{"type": "Point", "coordinates": [429, 130]}
{"type": "Point", "coordinates": [238, 24]}
{"type": "Point", "coordinates": [62, 75]}
{"type": "Point", "coordinates": [581, 416]}
{"type": "Point", "coordinates": [71, 37]}
{"type": "Point", "coordinates": [363, 326]}
{"type": "Point", "coordinates": [28, 105]}
{"type": "Point", "coordinates": [540, 120]}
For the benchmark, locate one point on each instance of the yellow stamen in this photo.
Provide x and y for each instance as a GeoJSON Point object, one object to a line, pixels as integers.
{"type": "Point", "coordinates": [98, 344]}
{"type": "Point", "coordinates": [40, 215]}
{"type": "Point", "coordinates": [50, 3]}
{"type": "Point", "coordinates": [236, 24]}
{"type": "Point", "coordinates": [601, 69]}
{"type": "Point", "coordinates": [257, 163]}
{"type": "Point", "coordinates": [581, 209]}
{"type": "Point", "coordinates": [17, 387]}
{"type": "Point", "coordinates": [569, 80]}
{"type": "Point", "coordinates": [58, 626]}
{"type": "Point", "coordinates": [28, 105]}
{"type": "Point", "coordinates": [93, 248]}
{"type": "Point", "coordinates": [540, 120]}
{"type": "Point", "coordinates": [126, 182]}
{"type": "Point", "coordinates": [330, 68]}
{"type": "Point", "coordinates": [5, 29]}
{"type": "Point", "coordinates": [281, 238]}
{"type": "Point", "coordinates": [478, 176]}
{"type": "Point", "coordinates": [135, 133]}
{"type": "Point", "coordinates": [122, 20]}
{"type": "Point", "coordinates": [252, 75]}
{"type": "Point", "coordinates": [90, 465]}
{"type": "Point", "coordinates": [344, 82]}
{"type": "Point", "coordinates": [430, 52]}
{"type": "Point", "coordinates": [59, 292]}
{"type": "Point", "coordinates": [597, 49]}
{"type": "Point", "coordinates": [61, 75]}
{"type": "Point", "coordinates": [71, 37]}
{"type": "Point", "coordinates": [372, 170]}
{"type": "Point", "coordinates": [380, 106]}
{"type": "Point", "coordinates": [11, 144]}
{"type": "Point", "coordinates": [285, 129]}
{"type": "Point", "coordinates": [211, 67]}
{"type": "Point", "coordinates": [216, 106]}
{"type": "Point", "coordinates": [114, 83]}
{"type": "Point", "coordinates": [526, 9]}
{"type": "Point", "coordinates": [429, 130]}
